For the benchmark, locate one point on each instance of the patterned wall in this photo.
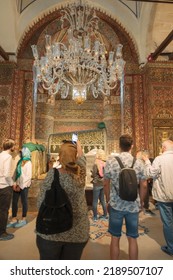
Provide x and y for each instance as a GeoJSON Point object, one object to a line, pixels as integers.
{"type": "Point", "coordinates": [134, 116]}
{"type": "Point", "coordinates": [28, 108]}
{"type": "Point", "coordinates": [19, 91]}
{"type": "Point", "coordinates": [112, 119]}
{"type": "Point", "coordinates": [15, 103]}
{"type": "Point", "coordinates": [147, 109]}
{"type": "Point", "coordinates": [138, 112]}
{"type": "Point", "coordinates": [5, 110]}
{"type": "Point", "coordinates": [159, 103]}
{"type": "Point", "coordinates": [128, 108]}
{"type": "Point", "coordinates": [66, 116]}
{"type": "Point", "coordinates": [148, 96]}
{"type": "Point", "coordinates": [6, 97]}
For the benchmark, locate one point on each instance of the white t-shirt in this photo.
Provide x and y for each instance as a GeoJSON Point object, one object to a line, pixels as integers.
{"type": "Point", "coordinates": [5, 170]}
{"type": "Point", "coordinates": [24, 181]}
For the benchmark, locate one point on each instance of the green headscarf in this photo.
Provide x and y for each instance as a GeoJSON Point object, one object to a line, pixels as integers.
{"type": "Point", "coordinates": [26, 155]}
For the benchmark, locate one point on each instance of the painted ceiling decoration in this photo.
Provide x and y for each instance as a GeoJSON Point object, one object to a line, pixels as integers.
{"type": "Point", "coordinates": [23, 4]}
{"type": "Point", "coordinates": [157, 28]}
{"type": "Point", "coordinates": [133, 7]}
{"type": "Point", "coordinates": [41, 25]}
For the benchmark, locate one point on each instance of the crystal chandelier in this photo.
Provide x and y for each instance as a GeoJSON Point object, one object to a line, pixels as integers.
{"type": "Point", "coordinates": [83, 65]}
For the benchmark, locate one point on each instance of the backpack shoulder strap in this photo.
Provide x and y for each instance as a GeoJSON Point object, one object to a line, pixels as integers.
{"type": "Point", "coordinates": [120, 162]}
{"type": "Point", "coordinates": [133, 162]}
{"type": "Point", "coordinates": [56, 177]}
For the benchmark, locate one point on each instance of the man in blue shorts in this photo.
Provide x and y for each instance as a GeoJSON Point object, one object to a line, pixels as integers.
{"type": "Point", "coordinates": [121, 209]}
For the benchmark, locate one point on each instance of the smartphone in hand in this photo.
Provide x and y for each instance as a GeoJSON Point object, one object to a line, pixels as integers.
{"type": "Point", "coordinates": [74, 138]}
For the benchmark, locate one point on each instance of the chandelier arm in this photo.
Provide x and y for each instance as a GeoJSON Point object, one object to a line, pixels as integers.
{"type": "Point", "coordinates": [111, 87]}
{"type": "Point", "coordinates": [56, 75]}
{"type": "Point", "coordinates": [93, 80]}
{"type": "Point", "coordinates": [70, 75]}
{"type": "Point", "coordinates": [52, 92]}
{"type": "Point", "coordinates": [86, 79]}
{"type": "Point", "coordinates": [86, 19]}
{"type": "Point", "coordinates": [65, 91]}
{"type": "Point", "coordinates": [95, 94]}
{"type": "Point", "coordinates": [51, 81]}
{"type": "Point", "coordinates": [61, 44]}
{"type": "Point", "coordinates": [103, 92]}
{"type": "Point", "coordinates": [69, 18]}
{"type": "Point", "coordinates": [46, 87]}
{"type": "Point", "coordinates": [67, 81]}
{"type": "Point", "coordinates": [92, 19]}
{"type": "Point", "coordinates": [97, 67]}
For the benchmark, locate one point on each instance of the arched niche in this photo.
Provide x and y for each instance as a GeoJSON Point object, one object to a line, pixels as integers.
{"type": "Point", "coordinates": [65, 115]}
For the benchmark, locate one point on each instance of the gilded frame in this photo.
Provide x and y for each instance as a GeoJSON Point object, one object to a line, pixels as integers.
{"type": "Point", "coordinates": [161, 133]}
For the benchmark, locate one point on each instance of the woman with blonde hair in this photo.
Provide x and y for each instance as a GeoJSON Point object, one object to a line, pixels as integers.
{"type": "Point", "coordinates": [67, 245]}
{"type": "Point", "coordinates": [98, 191]}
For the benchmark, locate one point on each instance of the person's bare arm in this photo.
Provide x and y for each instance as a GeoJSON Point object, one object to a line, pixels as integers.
{"type": "Point", "coordinates": [142, 191]}
{"type": "Point", "coordinates": [106, 184]}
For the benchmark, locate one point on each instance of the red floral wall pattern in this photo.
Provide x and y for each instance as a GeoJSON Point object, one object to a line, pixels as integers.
{"type": "Point", "coordinates": [134, 110]}
{"type": "Point", "coordinates": [138, 112]}
{"type": "Point", "coordinates": [28, 109]}
{"type": "Point", "coordinates": [17, 108]}
{"type": "Point", "coordinates": [148, 103]}
{"type": "Point", "coordinates": [6, 97]}
{"type": "Point", "coordinates": [5, 110]}
{"type": "Point", "coordinates": [159, 102]}
{"type": "Point", "coordinates": [128, 106]}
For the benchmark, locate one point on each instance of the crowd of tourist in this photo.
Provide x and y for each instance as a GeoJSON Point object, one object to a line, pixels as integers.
{"type": "Point", "coordinates": [154, 178]}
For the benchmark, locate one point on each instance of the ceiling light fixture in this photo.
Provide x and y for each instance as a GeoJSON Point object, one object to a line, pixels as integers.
{"type": "Point", "coordinates": [83, 65]}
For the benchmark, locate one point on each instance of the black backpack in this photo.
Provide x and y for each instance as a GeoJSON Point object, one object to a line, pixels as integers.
{"type": "Point", "coordinates": [55, 214]}
{"type": "Point", "coordinates": [128, 185]}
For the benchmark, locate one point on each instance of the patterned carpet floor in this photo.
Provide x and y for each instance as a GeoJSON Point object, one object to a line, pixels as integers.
{"type": "Point", "coordinates": [98, 247]}
{"type": "Point", "coordinates": [99, 228]}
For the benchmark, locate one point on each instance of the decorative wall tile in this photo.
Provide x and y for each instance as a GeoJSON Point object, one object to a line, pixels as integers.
{"type": "Point", "coordinates": [5, 111]}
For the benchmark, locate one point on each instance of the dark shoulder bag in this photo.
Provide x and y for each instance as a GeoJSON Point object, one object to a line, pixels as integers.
{"type": "Point", "coordinates": [55, 214]}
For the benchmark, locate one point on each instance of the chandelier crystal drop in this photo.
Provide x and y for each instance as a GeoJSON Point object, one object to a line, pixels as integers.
{"type": "Point", "coordinates": [83, 65]}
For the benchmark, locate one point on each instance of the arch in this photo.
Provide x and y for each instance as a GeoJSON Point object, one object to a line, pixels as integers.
{"type": "Point", "coordinates": [34, 30]}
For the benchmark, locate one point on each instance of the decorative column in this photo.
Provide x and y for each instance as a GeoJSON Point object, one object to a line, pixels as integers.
{"type": "Point", "coordinates": [112, 119]}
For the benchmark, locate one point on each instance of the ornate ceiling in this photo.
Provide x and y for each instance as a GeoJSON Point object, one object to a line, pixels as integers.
{"type": "Point", "coordinates": [147, 23]}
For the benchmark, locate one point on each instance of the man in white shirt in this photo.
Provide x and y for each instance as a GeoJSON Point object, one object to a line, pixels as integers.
{"type": "Point", "coordinates": [161, 171]}
{"type": "Point", "coordinates": [6, 183]}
